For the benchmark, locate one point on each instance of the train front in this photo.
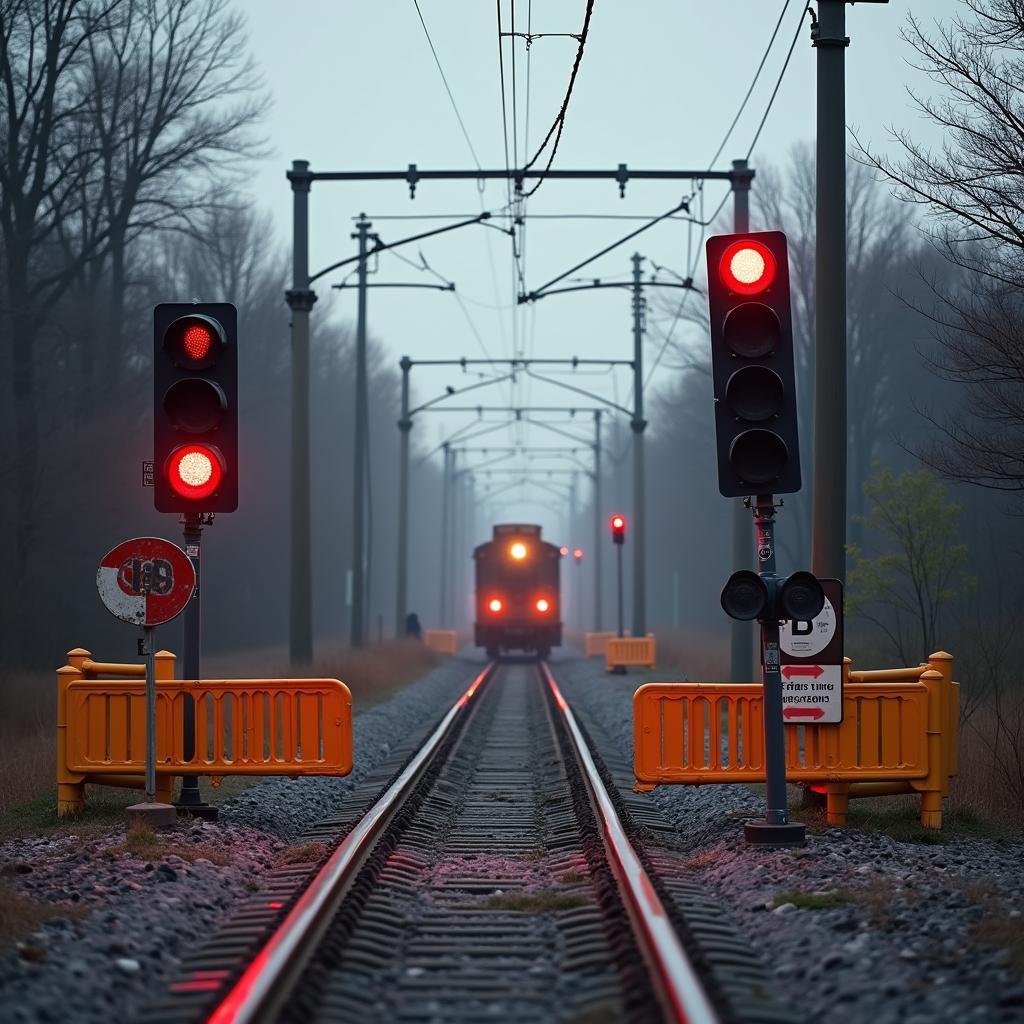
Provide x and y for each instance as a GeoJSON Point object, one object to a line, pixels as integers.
{"type": "Point", "coordinates": [518, 603]}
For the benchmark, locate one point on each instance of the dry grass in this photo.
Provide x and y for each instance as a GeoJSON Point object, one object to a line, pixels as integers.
{"type": "Point", "coordinates": [20, 916]}
{"type": "Point", "coordinates": [544, 902]}
{"type": "Point", "coordinates": [374, 673]}
{"type": "Point", "coordinates": [303, 853]}
{"type": "Point", "coordinates": [990, 778]}
{"type": "Point", "coordinates": [688, 653]}
{"type": "Point", "coordinates": [813, 900]}
{"type": "Point", "coordinates": [145, 844]}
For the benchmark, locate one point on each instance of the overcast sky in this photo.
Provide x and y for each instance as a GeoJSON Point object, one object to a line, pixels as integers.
{"type": "Point", "coordinates": [355, 86]}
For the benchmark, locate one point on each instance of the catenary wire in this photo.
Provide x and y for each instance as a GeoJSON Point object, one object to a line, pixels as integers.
{"type": "Point", "coordinates": [444, 79]}
{"type": "Point", "coordinates": [559, 122]}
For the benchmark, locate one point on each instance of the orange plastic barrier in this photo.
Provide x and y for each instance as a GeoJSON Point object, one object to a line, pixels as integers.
{"type": "Point", "coordinates": [596, 643]}
{"type": "Point", "coordinates": [630, 650]}
{"type": "Point", "coordinates": [242, 727]}
{"type": "Point", "coordinates": [444, 641]}
{"type": "Point", "coordinates": [898, 735]}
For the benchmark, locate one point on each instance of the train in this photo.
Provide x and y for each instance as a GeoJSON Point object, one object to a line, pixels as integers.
{"type": "Point", "coordinates": [518, 599]}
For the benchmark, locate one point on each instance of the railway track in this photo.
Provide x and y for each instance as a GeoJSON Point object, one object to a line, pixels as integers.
{"type": "Point", "coordinates": [491, 877]}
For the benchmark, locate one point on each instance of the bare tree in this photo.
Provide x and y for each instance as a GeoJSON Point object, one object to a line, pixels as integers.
{"type": "Point", "coordinates": [973, 189]}
{"type": "Point", "coordinates": [173, 98]}
{"type": "Point", "coordinates": [46, 158]}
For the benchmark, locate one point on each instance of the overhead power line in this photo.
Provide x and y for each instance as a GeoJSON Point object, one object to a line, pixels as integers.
{"type": "Point", "coordinates": [437, 61]}
{"type": "Point", "coordinates": [775, 91]}
{"type": "Point", "coordinates": [559, 123]}
{"type": "Point", "coordinates": [753, 82]}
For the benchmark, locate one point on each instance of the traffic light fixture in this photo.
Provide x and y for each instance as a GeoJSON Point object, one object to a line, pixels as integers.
{"type": "Point", "coordinates": [618, 525]}
{"type": "Point", "coordinates": [752, 364]}
{"type": "Point", "coordinates": [195, 407]}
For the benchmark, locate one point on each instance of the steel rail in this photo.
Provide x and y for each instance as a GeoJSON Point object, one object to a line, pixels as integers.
{"type": "Point", "coordinates": [263, 980]}
{"type": "Point", "coordinates": [683, 993]}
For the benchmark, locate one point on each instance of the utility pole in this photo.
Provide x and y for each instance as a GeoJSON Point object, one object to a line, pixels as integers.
{"type": "Point", "coordinates": [742, 648]}
{"type": "Point", "coordinates": [404, 426]}
{"type": "Point", "coordinates": [358, 628]}
{"type": "Point", "coordinates": [828, 525]}
{"type": "Point", "coordinates": [638, 423]}
{"type": "Point", "coordinates": [578, 611]}
{"type": "Point", "coordinates": [300, 299]}
{"type": "Point", "coordinates": [597, 521]}
{"type": "Point", "coordinates": [443, 575]}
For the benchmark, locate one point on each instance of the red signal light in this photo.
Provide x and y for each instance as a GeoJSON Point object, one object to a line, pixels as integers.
{"type": "Point", "coordinates": [542, 604]}
{"type": "Point", "coordinates": [195, 471]}
{"type": "Point", "coordinates": [618, 523]}
{"type": "Point", "coordinates": [563, 551]}
{"type": "Point", "coordinates": [197, 342]}
{"type": "Point", "coordinates": [495, 605]}
{"type": "Point", "coordinates": [578, 554]}
{"type": "Point", "coordinates": [747, 267]}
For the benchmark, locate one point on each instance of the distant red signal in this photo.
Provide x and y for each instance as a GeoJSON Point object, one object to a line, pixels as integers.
{"type": "Point", "coordinates": [577, 554]}
{"type": "Point", "coordinates": [618, 524]}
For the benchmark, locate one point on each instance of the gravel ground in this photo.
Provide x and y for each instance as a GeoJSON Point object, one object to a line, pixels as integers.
{"type": "Point", "coordinates": [918, 933]}
{"type": "Point", "coordinates": [127, 911]}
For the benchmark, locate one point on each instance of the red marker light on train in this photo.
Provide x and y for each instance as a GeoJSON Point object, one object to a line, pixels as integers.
{"type": "Point", "coordinates": [495, 604]}
{"type": "Point", "coordinates": [542, 604]}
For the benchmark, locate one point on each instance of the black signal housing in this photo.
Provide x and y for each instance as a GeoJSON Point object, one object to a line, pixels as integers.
{"type": "Point", "coordinates": [195, 407]}
{"type": "Point", "coordinates": [752, 364]}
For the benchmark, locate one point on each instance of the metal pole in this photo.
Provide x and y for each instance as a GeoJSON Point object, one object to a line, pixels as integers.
{"type": "Point", "coordinates": [444, 536]}
{"type": "Point", "coordinates": [618, 551]}
{"type": "Point", "coordinates": [577, 612]}
{"type": "Point", "coordinates": [404, 427]}
{"type": "Point", "coordinates": [149, 634]}
{"type": "Point", "coordinates": [776, 829]}
{"type": "Point", "coordinates": [597, 521]}
{"type": "Point", "coordinates": [190, 800]}
{"type": "Point", "coordinates": [358, 630]}
{"type": "Point", "coordinates": [828, 528]}
{"type": "Point", "coordinates": [300, 301]}
{"type": "Point", "coordinates": [742, 668]}
{"type": "Point", "coordinates": [638, 423]}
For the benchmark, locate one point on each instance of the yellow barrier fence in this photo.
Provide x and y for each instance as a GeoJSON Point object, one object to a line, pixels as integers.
{"type": "Point", "coordinates": [242, 727]}
{"type": "Point", "coordinates": [596, 644]}
{"type": "Point", "coordinates": [444, 641]}
{"type": "Point", "coordinates": [898, 735]}
{"type": "Point", "coordinates": [630, 650]}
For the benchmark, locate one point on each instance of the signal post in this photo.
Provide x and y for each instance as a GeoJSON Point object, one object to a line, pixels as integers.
{"type": "Point", "coordinates": [195, 456]}
{"type": "Point", "coordinates": [758, 454]}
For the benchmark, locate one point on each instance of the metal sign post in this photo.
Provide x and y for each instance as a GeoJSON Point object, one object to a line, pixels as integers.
{"type": "Point", "coordinates": [149, 649]}
{"type": "Point", "coordinates": [776, 829]}
{"type": "Point", "coordinates": [147, 581]}
{"type": "Point", "coordinates": [190, 800]}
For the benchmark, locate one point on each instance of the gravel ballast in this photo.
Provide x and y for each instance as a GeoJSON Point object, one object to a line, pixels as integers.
{"type": "Point", "coordinates": [856, 926]}
{"type": "Point", "coordinates": [127, 911]}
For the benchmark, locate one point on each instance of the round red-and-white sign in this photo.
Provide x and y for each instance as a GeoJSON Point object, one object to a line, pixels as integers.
{"type": "Point", "coordinates": [146, 581]}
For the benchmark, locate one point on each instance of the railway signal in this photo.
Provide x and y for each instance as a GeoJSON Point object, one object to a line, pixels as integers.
{"type": "Point", "coordinates": [618, 525]}
{"type": "Point", "coordinates": [195, 407]}
{"type": "Point", "coordinates": [747, 596]}
{"type": "Point", "coordinates": [752, 364]}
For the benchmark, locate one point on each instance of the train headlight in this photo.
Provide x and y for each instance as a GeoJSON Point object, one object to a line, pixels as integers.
{"type": "Point", "coordinates": [518, 551]}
